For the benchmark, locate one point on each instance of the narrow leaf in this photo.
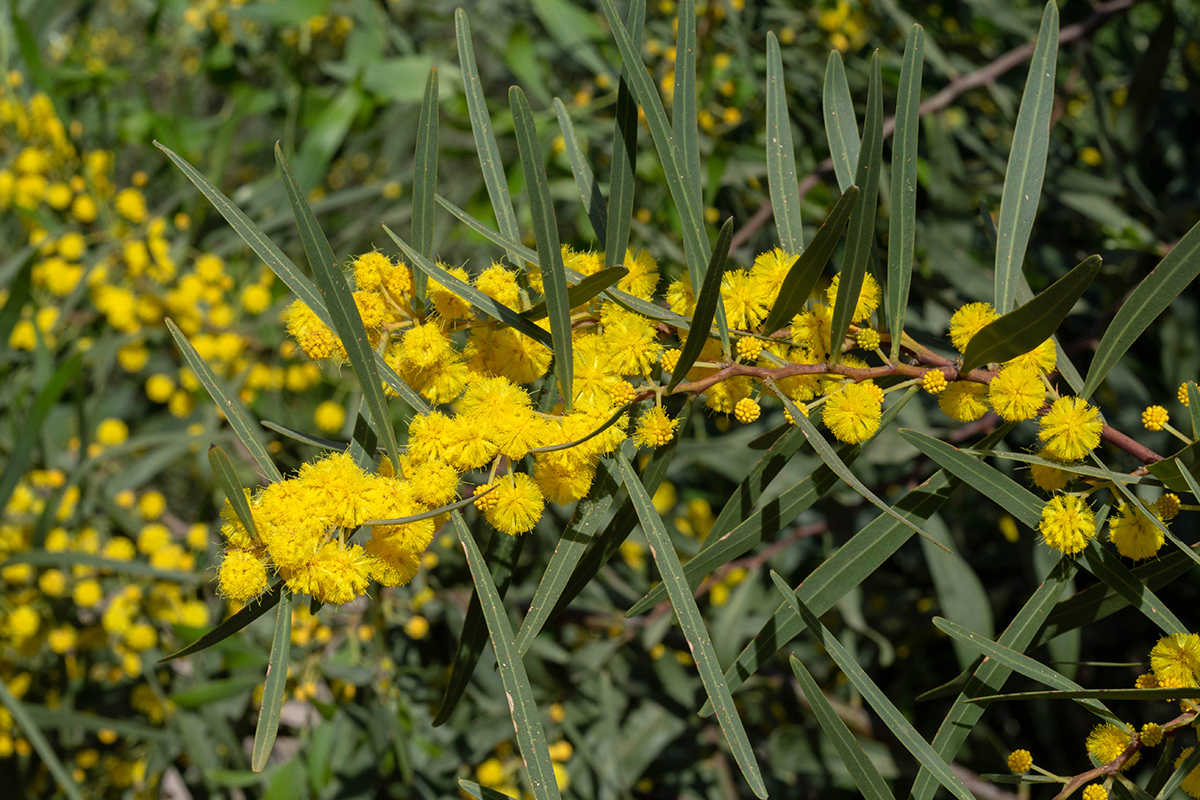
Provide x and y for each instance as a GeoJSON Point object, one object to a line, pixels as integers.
{"type": "Point", "coordinates": [706, 306]}
{"type": "Point", "coordinates": [273, 691]}
{"type": "Point", "coordinates": [902, 233]}
{"type": "Point", "coordinates": [582, 292]}
{"type": "Point", "coordinates": [585, 181]}
{"type": "Point", "coordinates": [1183, 772]}
{"type": "Point", "coordinates": [624, 149]}
{"type": "Point", "coordinates": [1026, 162]}
{"type": "Point", "coordinates": [527, 722]}
{"type": "Point", "coordinates": [1107, 567]}
{"type": "Point", "coordinates": [1133, 503]}
{"type": "Point", "coordinates": [41, 745]}
{"type": "Point", "coordinates": [692, 624]}
{"type": "Point", "coordinates": [230, 407]}
{"type": "Point", "coordinates": [865, 775]}
{"type": "Point", "coordinates": [545, 231]}
{"type": "Point", "coordinates": [343, 311]}
{"type": "Point", "coordinates": [425, 166]}
{"type": "Point", "coordinates": [485, 139]}
{"type": "Point", "coordinates": [1026, 327]}
{"type": "Point", "coordinates": [683, 101]}
{"type": "Point", "coordinates": [803, 275]}
{"type": "Point", "coordinates": [860, 231]}
{"type": "Point", "coordinates": [227, 477]}
{"type": "Point", "coordinates": [305, 438]}
{"type": "Point", "coordinates": [1094, 694]}
{"type": "Point", "coordinates": [891, 716]}
{"type": "Point", "coordinates": [1151, 297]}
{"type": "Point", "coordinates": [781, 157]}
{"type": "Point", "coordinates": [248, 613]}
{"type": "Point", "coordinates": [841, 129]}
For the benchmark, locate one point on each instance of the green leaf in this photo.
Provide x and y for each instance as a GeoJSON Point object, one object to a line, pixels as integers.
{"type": "Point", "coordinates": [706, 306]}
{"type": "Point", "coordinates": [301, 436]}
{"type": "Point", "coordinates": [1177, 777]}
{"type": "Point", "coordinates": [1151, 297]}
{"type": "Point", "coordinates": [1026, 666]}
{"type": "Point", "coordinates": [494, 309]}
{"type": "Point", "coordinates": [590, 512]}
{"type": "Point", "coordinates": [232, 408]}
{"type": "Point", "coordinates": [212, 691]}
{"type": "Point", "coordinates": [545, 231]}
{"type": "Point", "coordinates": [1173, 471]}
{"type": "Point", "coordinates": [841, 129]}
{"type": "Point", "coordinates": [990, 677]}
{"type": "Point", "coordinates": [485, 139]}
{"type": "Point", "coordinates": [781, 157]}
{"type": "Point", "coordinates": [531, 739]}
{"type": "Point", "coordinates": [1026, 327]}
{"type": "Point", "coordinates": [583, 292]}
{"type": "Point", "coordinates": [480, 792]}
{"type": "Point", "coordinates": [959, 591]}
{"type": "Point", "coordinates": [248, 613]}
{"type": "Point", "coordinates": [891, 716]}
{"type": "Point", "coordinates": [683, 101]}
{"type": "Point", "coordinates": [41, 745]}
{"type": "Point", "coordinates": [66, 720]}
{"type": "Point", "coordinates": [1107, 567]}
{"type": "Point", "coordinates": [227, 477]}
{"type": "Point", "coordinates": [866, 777]}
{"type": "Point", "coordinates": [902, 232]}
{"type": "Point", "coordinates": [425, 167]}
{"type": "Point", "coordinates": [624, 150]}
{"type": "Point", "coordinates": [585, 181]}
{"type": "Point", "coordinates": [803, 275]}
{"type": "Point", "coordinates": [1133, 502]}
{"type": "Point", "coordinates": [1026, 162]}
{"type": "Point", "coordinates": [1193, 394]}
{"type": "Point", "coordinates": [860, 232]}
{"type": "Point", "coordinates": [1169, 695]}
{"type": "Point", "coordinates": [31, 426]}
{"type": "Point", "coordinates": [692, 624]}
{"type": "Point", "coordinates": [273, 690]}
{"type": "Point", "coordinates": [343, 311]}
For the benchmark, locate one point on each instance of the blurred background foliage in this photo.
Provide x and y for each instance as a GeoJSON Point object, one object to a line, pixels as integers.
{"type": "Point", "coordinates": [105, 431]}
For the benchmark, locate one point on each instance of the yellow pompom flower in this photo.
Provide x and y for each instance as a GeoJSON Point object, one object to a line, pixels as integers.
{"type": "Point", "coordinates": [1020, 762]}
{"type": "Point", "coordinates": [329, 417]}
{"type": "Point", "coordinates": [868, 296]}
{"type": "Point", "coordinates": [370, 270]}
{"type": "Point", "coordinates": [852, 413]}
{"type": "Point", "coordinates": [242, 576]}
{"type": "Point", "coordinates": [964, 401]}
{"type": "Point", "coordinates": [1191, 783]}
{"type": "Point", "coordinates": [1146, 681]}
{"type": "Point", "coordinates": [1167, 506]}
{"type": "Point", "coordinates": [745, 305]}
{"type": "Point", "coordinates": [337, 574]}
{"type": "Point", "coordinates": [1017, 393]}
{"type": "Point", "coordinates": [655, 428]}
{"type": "Point", "coordinates": [1095, 791]}
{"type": "Point", "coordinates": [670, 359]}
{"type": "Point", "coordinates": [447, 304]}
{"type": "Point", "coordinates": [1151, 735]}
{"type": "Point", "coordinates": [1106, 742]}
{"type": "Point", "coordinates": [749, 349]}
{"type": "Point", "coordinates": [500, 283]}
{"type": "Point", "coordinates": [518, 504]}
{"type": "Point", "coordinates": [131, 204]}
{"type": "Point", "coordinates": [1068, 524]}
{"type": "Point", "coordinates": [1049, 479]}
{"type": "Point", "coordinates": [1175, 661]}
{"type": "Point", "coordinates": [1154, 418]}
{"type": "Point", "coordinates": [642, 279]}
{"type": "Point", "coordinates": [1134, 533]}
{"type": "Point", "coordinates": [1182, 394]}
{"type": "Point", "coordinates": [746, 411]}
{"type": "Point", "coordinates": [1070, 429]}
{"type": "Point", "coordinates": [934, 381]}
{"type": "Point", "coordinates": [968, 321]}
{"type": "Point", "coordinates": [868, 339]}
{"type": "Point", "coordinates": [111, 432]}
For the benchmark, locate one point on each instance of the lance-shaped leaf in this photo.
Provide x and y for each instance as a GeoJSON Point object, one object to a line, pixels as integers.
{"type": "Point", "coordinates": [247, 614]}
{"type": "Point", "coordinates": [1026, 162]}
{"type": "Point", "coordinates": [305, 438]}
{"type": "Point", "coordinates": [804, 273]}
{"type": "Point", "coordinates": [343, 311]}
{"type": "Point", "coordinates": [230, 406]}
{"type": "Point", "coordinates": [273, 690]}
{"type": "Point", "coordinates": [545, 231]}
{"type": "Point", "coordinates": [1193, 394]}
{"type": "Point", "coordinates": [1174, 471]}
{"type": "Point", "coordinates": [1181, 773]}
{"type": "Point", "coordinates": [1026, 666]}
{"type": "Point", "coordinates": [781, 158]}
{"type": "Point", "coordinates": [684, 127]}
{"type": "Point", "coordinates": [706, 306]}
{"type": "Point", "coordinates": [585, 181]}
{"type": "Point", "coordinates": [1024, 328]}
{"type": "Point", "coordinates": [228, 479]}
{"type": "Point", "coordinates": [891, 716]}
{"type": "Point", "coordinates": [624, 150]}
{"type": "Point", "coordinates": [582, 292]}
{"type": "Point", "coordinates": [841, 129]}
{"type": "Point", "coordinates": [425, 165]}
{"type": "Point", "coordinates": [527, 722]}
{"type": "Point", "coordinates": [692, 624]}
{"type": "Point", "coordinates": [494, 309]}
{"type": "Point", "coordinates": [902, 233]}
{"type": "Point", "coordinates": [860, 232]}
{"type": "Point", "coordinates": [1107, 567]}
{"type": "Point", "coordinates": [1093, 694]}
{"type": "Point", "coordinates": [41, 745]}
{"type": "Point", "coordinates": [1151, 297]}
{"type": "Point", "coordinates": [485, 140]}
{"type": "Point", "coordinates": [501, 555]}
{"type": "Point", "coordinates": [864, 774]}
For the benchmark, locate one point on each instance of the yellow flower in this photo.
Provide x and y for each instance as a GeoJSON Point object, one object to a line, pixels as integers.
{"type": "Point", "coordinates": [642, 279]}
{"type": "Point", "coordinates": [370, 270]}
{"type": "Point", "coordinates": [337, 574]}
{"type": "Point", "coordinates": [518, 504]}
{"type": "Point", "coordinates": [417, 627]}
{"type": "Point", "coordinates": [745, 305]}
{"type": "Point", "coordinates": [934, 381]}
{"type": "Point", "coordinates": [329, 416]}
{"type": "Point", "coordinates": [1068, 524]}
{"type": "Point", "coordinates": [1134, 533]}
{"type": "Point", "coordinates": [852, 413]}
{"type": "Point", "coordinates": [131, 204]}
{"type": "Point", "coordinates": [1107, 741]}
{"type": "Point", "coordinates": [968, 321]}
{"type": "Point", "coordinates": [868, 296]}
{"type": "Point", "coordinates": [1167, 506]}
{"type": "Point", "coordinates": [1095, 791]}
{"type": "Point", "coordinates": [1151, 735]}
{"type": "Point", "coordinates": [500, 283]}
{"type": "Point", "coordinates": [964, 401]}
{"type": "Point", "coordinates": [1017, 393]}
{"type": "Point", "coordinates": [1070, 429]}
{"type": "Point", "coordinates": [1049, 479]}
{"type": "Point", "coordinates": [655, 428]}
{"type": "Point", "coordinates": [1154, 418]}
{"type": "Point", "coordinates": [1020, 762]}
{"type": "Point", "coordinates": [1190, 784]}
{"type": "Point", "coordinates": [242, 576]}
{"type": "Point", "coordinates": [746, 411]}
{"type": "Point", "coordinates": [1176, 661]}
{"type": "Point", "coordinates": [111, 432]}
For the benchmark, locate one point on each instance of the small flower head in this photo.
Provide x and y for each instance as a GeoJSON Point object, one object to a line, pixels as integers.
{"type": "Point", "coordinates": [1152, 734]}
{"type": "Point", "coordinates": [968, 321]}
{"type": "Point", "coordinates": [1134, 533]}
{"type": "Point", "coordinates": [852, 413]}
{"type": "Point", "coordinates": [1049, 479]}
{"type": "Point", "coordinates": [518, 505]}
{"type": "Point", "coordinates": [1190, 784]}
{"type": "Point", "coordinates": [1095, 791]}
{"type": "Point", "coordinates": [746, 411]}
{"type": "Point", "coordinates": [655, 428]}
{"type": "Point", "coordinates": [1017, 393]}
{"type": "Point", "coordinates": [1182, 394]}
{"type": "Point", "coordinates": [1154, 418]}
{"type": "Point", "coordinates": [934, 381]}
{"type": "Point", "coordinates": [670, 359]}
{"type": "Point", "coordinates": [1106, 742]}
{"type": "Point", "coordinates": [868, 339]}
{"type": "Point", "coordinates": [242, 576]}
{"type": "Point", "coordinates": [485, 501]}
{"type": "Point", "coordinates": [1020, 762]}
{"type": "Point", "coordinates": [1068, 524]}
{"type": "Point", "coordinates": [1176, 661]}
{"type": "Point", "coordinates": [1070, 429]}
{"type": "Point", "coordinates": [964, 401]}
{"type": "Point", "coordinates": [1167, 506]}
{"type": "Point", "coordinates": [868, 296]}
{"type": "Point", "coordinates": [1146, 681]}
{"type": "Point", "coordinates": [749, 349]}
